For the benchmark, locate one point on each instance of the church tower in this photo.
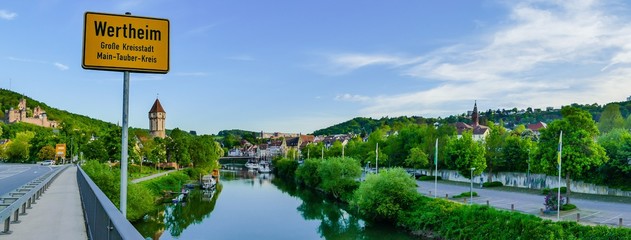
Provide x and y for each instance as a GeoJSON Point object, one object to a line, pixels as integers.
{"type": "Point", "coordinates": [157, 117]}
{"type": "Point", "coordinates": [475, 116]}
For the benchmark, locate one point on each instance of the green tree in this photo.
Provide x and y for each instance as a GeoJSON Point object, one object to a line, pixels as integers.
{"type": "Point", "coordinates": [494, 144]}
{"type": "Point", "coordinates": [46, 152]}
{"type": "Point", "coordinates": [611, 118]}
{"type": "Point", "coordinates": [515, 151]}
{"type": "Point", "coordinates": [384, 196]}
{"type": "Point", "coordinates": [617, 171]}
{"type": "Point", "coordinates": [178, 147]}
{"type": "Point", "coordinates": [417, 158]}
{"type": "Point", "coordinates": [18, 149]}
{"type": "Point", "coordinates": [580, 152]}
{"type": "Point", "coordinates": [338, 176]}
{"type": "Point", "coordinates": [205, 152]}
{"type": "Point", "coordinates": [464, 153]}
{"type": "Point", "coordinates": [95, 150]}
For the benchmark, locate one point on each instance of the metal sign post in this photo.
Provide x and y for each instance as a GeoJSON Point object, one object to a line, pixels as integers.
{"type": "Point", "coordinates": [129, 44]}
{"type": "Point", "coordinates": [124, 145]}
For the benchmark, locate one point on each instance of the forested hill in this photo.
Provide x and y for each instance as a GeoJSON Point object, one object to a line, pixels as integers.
{"type": "Point", "coordinates": [362, 125]}
{"type": "Point", "coordinates": [510, 117]}
{"type": "Point", "coordinates": [10, 99]}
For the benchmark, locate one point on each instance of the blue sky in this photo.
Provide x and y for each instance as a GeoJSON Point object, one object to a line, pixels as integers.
{"type": "Point", "coordinates": [298, 66]}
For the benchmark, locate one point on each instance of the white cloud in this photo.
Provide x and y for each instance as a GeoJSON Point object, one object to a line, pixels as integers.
{"type": "Point", "coordinates": [346, 63]}
{"type": "Point", "coordinates": [6, 15]}
{"type": "Point", "coordinates": [60, 66]}
{"type": "Point", "coordinates": [351, 98]}
{"type": "Point", "coordinates": [546, 53]}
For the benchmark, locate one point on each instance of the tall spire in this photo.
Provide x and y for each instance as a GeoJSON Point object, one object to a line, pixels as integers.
{"type": "Point", "coordinates": [475, 117]}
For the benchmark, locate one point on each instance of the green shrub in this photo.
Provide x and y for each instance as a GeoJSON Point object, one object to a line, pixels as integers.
{"type": "Point", "coordinates": [545, 191]}
{"type": "Point", "coordinates": [338, 176]}
{"type": "Point", "coordinates": [385, 196]}
{"type": "Point", "coordinates": [465, 194]}
{"type": "Point", "coordinates": [133, 168]}
{"type": "Point", "coordinates": [307, 173]}
{"type": "Point", "coordinates": [171, 182]}
{"type": "Point", "coordinates": [427, 178]}
{"type": "Point", "coordinates": [566, 207]}
{"type": "Point", "coordinates": [492, 184]}
{"type": "Point", "coordinates": [285, 168]}
{"type": "Point", "coordinates": [140, 201]}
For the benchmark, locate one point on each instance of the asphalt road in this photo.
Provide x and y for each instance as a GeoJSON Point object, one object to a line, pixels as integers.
{"type": "Point", "coordinates": [13, 176]}
{"type": "Point", "coordinates": [592, 211]}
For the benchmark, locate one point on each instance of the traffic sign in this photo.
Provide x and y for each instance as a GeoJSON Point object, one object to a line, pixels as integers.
{"type": "Point", "coordinates": [125, 43]}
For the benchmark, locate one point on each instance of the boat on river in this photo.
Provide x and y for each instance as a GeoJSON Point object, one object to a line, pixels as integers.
{"type": "Point", "coordinates": [251, 165]}
{"type": "Point", "coordinates": [208, 182]}
{"type": "Point", "coordinates": [264, 168]}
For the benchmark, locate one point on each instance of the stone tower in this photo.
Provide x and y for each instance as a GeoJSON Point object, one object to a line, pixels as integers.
{"type": "Point", "coordinates": [157, 117]}
{"type": "Point", "coordinates": [475, 116]}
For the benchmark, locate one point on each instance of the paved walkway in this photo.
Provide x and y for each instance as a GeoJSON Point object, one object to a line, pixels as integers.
{"type": "Point", "coordinates": [56, 215]}
{"type": "Point", "coordinates": [589, 211]}
{"type": "Point", "coordinates": [142, 179]}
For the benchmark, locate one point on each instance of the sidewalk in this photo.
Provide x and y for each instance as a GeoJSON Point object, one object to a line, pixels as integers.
{"type": "Point", "coordinates": [56, 215]}
{"type": "Point", "coordinates": [589, 211]}
{"type": "Point", "coordinates": [142, 179]}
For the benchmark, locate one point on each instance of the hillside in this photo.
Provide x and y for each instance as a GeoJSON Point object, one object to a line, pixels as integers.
{"type": "Point", "coordinates": [10, 99]}
{"type": "Point", "coordinates": [510, 117]}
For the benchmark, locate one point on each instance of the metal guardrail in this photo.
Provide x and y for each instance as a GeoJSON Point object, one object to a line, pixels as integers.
{"type": "Point", "coordinates": [103, 219]}
{"type": "Point", "coordinates": [23, 197]}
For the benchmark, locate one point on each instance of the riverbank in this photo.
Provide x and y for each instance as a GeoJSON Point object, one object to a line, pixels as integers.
{"type": "Point", "coordinates": [389, 198]}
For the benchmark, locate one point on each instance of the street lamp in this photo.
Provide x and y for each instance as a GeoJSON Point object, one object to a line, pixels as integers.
{"type": "Point", "coordinates": [471, 187]}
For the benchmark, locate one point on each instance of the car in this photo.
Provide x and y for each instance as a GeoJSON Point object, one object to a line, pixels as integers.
{"type": "Point", "coordinates": [47, 162]}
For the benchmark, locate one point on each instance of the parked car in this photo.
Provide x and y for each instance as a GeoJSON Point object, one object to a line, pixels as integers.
{"type": "Point", "coordinates": [48, 162]}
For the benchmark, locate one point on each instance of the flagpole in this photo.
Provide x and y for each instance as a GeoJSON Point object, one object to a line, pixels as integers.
{"type": "Point", "coordinates": [377, 158]}
{"type": "Point", "coordinates": [559, 188]}
{"type": "Point", "coordinates": [436, 172]}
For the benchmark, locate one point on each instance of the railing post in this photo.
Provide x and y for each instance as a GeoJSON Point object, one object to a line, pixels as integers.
{"type": "Point", "coordinates": [619, 222]}
{"type": "Point", "coordinates": [6, 226]}
{"type": "Point", "coordinates": [23, 209]}
{"type": "Point", "coordinates": [487, 203]}
{"type": "Point", "coordinates": [512, 207]}
{"type": "Point", "coordinates": [15, 216]}
{"type": "Point", "coordinates": [578, 217]}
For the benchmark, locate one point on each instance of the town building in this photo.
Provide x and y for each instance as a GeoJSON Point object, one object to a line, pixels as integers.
{"type": "Point", "coordinates": [38, 117]}
{"type": "Point", "coordinates": [157, 118]}
{"type": "Point", "coordinates": [479, 131]}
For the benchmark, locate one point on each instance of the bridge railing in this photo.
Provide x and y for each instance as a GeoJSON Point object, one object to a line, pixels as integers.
{"type": "Point", "coordinates": [23, 197]}
{"type": "Point", "coordinates": [103, 219]}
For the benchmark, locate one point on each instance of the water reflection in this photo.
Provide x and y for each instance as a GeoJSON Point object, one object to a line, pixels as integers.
{"type": "Point", "coordinates": [258, 206]}
{"type": "Point", "coordinates": [174, 218]}
{"type": "Point", "coordinates": [335, 221]}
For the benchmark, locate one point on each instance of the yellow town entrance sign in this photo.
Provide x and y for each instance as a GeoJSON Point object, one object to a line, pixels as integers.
{"type": "Point", "coordinates": [125, 43]}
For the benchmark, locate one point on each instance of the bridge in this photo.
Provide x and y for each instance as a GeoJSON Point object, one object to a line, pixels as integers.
{"type": "Point", "coordinates": [48, 194]}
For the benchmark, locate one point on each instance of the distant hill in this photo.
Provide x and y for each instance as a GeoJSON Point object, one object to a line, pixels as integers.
{"type": "Point", "coordinates": [510, 117]}
{"type": "Point", "coordinates": [10, 99]}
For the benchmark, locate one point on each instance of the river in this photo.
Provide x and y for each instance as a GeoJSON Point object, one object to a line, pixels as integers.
{"type": "Point", "coordinates": [256, 206]}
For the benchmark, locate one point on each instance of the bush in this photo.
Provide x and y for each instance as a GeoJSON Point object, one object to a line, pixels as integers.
{"type": "Point", "coordinates": [307, 173]}
{"type": "Point", "coordinates": [545, 191]}
{"type": "Point", "coordinates": [551, 201]}
{"type": "Point", "coordinates": [427, 178]}
{"type": "Point", "coordinates": [385, 196]}
{"type": "Point", "coordinates": [133, 168]}
{"type": "Point", "coordinates": [567, 207]}
{"type": "Point", "coordinates": [338, 176]}
{"type": "Point", "coordinates": [285, 168]}
{"type": "Point", "coordinates": [465, 195]}
{"type": "Point", "coordinates": [140, 201]}
{"type": "Point", "coordinates": [492, 184]}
